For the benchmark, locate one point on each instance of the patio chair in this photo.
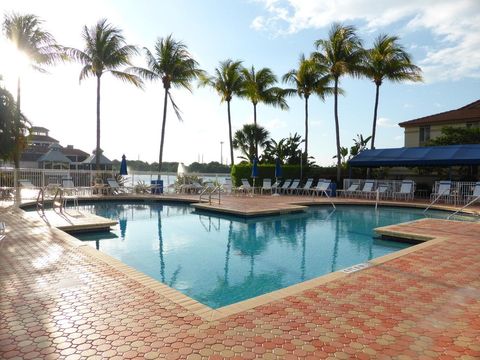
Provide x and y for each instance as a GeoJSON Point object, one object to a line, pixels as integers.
{"type": "Point", "coordinates": [227, 186]}
{"type": "Point", "coordinates": [406, 192]}
{"type": "Point", "coordinates": [366, 189]}
{"type": "Point", "coordinates": [26, 184]}
{"type": "Point", "coordinates": [70, 192]}
{"type": "Point", "coordinates": [321, 188]}
{"type": "Point", "coordinates": [275, 186]}
{"type": "Point", "coordinates": [293, 187]}
{"type": "Point", "coordinates": [443, 192]}
{"type": "Point", "coordinates": [114, 187]}
{"type": "Point", "coordinates": [285, 185]}
{"type": "Point", "coordinates": [306, 187]}
{"type": "Point", "coordinates": [475, 195]}
{"type": "Point", "coordinates": [267, 186]}
{"type": "Point", "coordinates": [351, 190]}
{"type": "Point", "coordinates": [245, 187]}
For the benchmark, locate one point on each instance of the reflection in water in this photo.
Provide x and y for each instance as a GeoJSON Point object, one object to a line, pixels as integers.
{"type": "Point", "coordinates": [219, 260]}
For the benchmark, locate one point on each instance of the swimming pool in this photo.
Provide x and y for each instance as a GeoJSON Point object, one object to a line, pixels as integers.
{"type": "Point", "coordinates": [219, 260]}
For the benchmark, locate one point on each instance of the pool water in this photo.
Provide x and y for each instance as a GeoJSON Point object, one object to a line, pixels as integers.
{"type": "Point", "coordinates": [219, 260]}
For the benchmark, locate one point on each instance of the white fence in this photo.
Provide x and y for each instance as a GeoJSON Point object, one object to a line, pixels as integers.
{"type": "Point", "coordinates": [85, 178]}
{"type": "Point", "coordinates": [460, 191]}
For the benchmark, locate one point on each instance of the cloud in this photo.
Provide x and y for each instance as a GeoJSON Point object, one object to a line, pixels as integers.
{"type": "Point", "coordinates": [454, 27]}
{"type": "Point", "coordinates": [385, 123]}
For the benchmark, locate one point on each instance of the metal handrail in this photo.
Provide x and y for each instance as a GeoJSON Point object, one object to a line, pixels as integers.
{"type": "Point", "coordinates": [41, 200]}
{"type": "Point", "coordinates": [435, 200]}
{"type": "Point", "coordinates": [58, 199]}
{"type": "Point", "coordinates": [210, 191]}
{"type": "Point", "coordinates": [463, 208]}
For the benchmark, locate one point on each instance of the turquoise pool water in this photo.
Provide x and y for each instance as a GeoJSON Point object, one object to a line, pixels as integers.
{"type": "Point", "coordinates": [220, 260]}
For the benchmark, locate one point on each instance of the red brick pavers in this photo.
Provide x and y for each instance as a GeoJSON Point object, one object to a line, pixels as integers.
{"type": "Point", "coordinates": [57, 301]}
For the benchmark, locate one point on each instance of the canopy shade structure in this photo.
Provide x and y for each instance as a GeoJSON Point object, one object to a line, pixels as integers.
{"type": "Point", "coordinates": [452, 155]}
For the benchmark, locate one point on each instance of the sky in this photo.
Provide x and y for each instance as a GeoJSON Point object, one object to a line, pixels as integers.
{"type": "Point", "coordinates": [443, 37]}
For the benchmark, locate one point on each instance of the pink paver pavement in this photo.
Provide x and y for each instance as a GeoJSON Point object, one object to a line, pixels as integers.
{"type": "Point", "coordinates": [59, 300]}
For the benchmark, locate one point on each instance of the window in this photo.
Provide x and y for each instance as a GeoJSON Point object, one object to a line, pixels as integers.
{"type": "Point", "coordinates": [424, 134]}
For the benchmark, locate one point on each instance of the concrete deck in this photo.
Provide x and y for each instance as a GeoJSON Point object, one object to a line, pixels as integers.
{"type": "Point", "coordinates": [62, 299]}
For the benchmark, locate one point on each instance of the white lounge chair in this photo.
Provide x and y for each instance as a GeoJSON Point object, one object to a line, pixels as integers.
{"type": "Point", "coordinates": [351, 190]}
{"type": "Point", "coordinates": [115, 188]}
{"type": "Point", "coordinates": [266, 186]}
{"type": "Point", "coordinates": [443, 192]}
{"type": "Point", "coordinates": [285, 185]}
{"type": "Point", "coordinates": [321, 188]}
{"type": "Point", "coordinates": [366, 189]}
{"type": "Point", "coordinates": [293, 187]}
{"type": "Point", "coordinates": [26, 184]}
{"type": "Point", "coordinates": [227, 186]}
{"type": "Point", "coordinates": [407, 189]}
{"type": "Point", "coordinates": [306, 187]}
{"type": "Point", "coordinates": [245, 187]}
{"type": "Point", "coordinates": [475, 196]}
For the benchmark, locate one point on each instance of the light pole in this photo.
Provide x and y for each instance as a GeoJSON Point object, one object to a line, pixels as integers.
{"type": "Point", "coordinates": [221, 152]}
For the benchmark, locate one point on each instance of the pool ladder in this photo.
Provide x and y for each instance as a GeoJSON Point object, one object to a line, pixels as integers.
{"type": "Point", "coordinates": [464, 207]}
{"type": "Point", "coordinates": [209, 192]}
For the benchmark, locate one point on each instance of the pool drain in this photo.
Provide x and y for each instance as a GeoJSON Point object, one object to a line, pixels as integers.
{"type": "Point", "coordinates": [355, 268]}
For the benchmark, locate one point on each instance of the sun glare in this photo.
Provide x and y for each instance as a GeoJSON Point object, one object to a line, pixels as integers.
{"type": "Point", "coordinates": [13, 63]}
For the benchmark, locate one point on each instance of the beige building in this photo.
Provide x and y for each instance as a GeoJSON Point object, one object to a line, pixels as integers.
{"type": "Point", "coordinates": [419, 131]}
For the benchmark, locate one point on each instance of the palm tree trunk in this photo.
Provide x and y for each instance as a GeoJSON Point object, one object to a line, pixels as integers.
{"type": "Point", "coordinates": [306, 128]}
{"type": "Point", "coordinates": [160, 155]}
{"type": "Point", "coordinates": [16, 152]}
{"type": "Point", "coordinates": [230, 132]}
{"type": "Point", "coordinates": [97, 150]}
{"type": "Point", "coordinates": [337, 130]}
{"type": "Point", "coordinates": [374, 128]}
{"type": "Point", "coordinates": [255, 123]}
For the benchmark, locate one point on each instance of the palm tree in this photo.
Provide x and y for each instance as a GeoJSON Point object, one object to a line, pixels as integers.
{"type": "Point", "coordinates": [174, 66]}
{"type": "Point", "coordinates": [38, 45]}
{"type": "Point", "coordinates": [227, 81]}
{"type": "Point", "coordinates": [310, 78]}
{"type": "Point", "coordinates": [105, 51]}
{"type": "Point", "coordinates": [341, 53]}
{"type": "Point", "coordinates": [13, 127]}
{"type": "Point", "coordinates": [388, 60]}
{"type": "Point", "coordinates": [258, 88]}
{"type": "Point", "coordinates": [247, 140]}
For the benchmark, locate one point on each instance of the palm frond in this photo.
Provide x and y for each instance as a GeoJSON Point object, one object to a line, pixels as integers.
{"type": "Point", "coordinates": [175, 107]}
{"type": "Point", "coordinates": [129, 78]}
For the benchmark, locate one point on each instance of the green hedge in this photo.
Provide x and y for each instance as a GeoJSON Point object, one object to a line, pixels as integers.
{"type": "Point", "coordinates": [267, 171]}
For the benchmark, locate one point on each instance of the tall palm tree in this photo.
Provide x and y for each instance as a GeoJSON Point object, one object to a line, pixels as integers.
{"type": "Point", "coordinates": [227, 81]}
{"type": "Point", "coordinates": [38, 45]}
{"type": "Point", "coordinates": [309, 78]}
{"type": "Point", "coordinates": [105, 51]}
{"type": "Point", "coordinates": [259, 88]}
{"type": "Point", "coordinates": [388, 60]}
{"type": "Point", "coordinates": [171, 63]}
{"type": "Point", "coordinates": [341, 53]}
{"type": "Point", "coordinates": [248, 138]}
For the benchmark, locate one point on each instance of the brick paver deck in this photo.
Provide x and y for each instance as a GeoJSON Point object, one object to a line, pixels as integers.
{"type": "Point", "coordinates": [58, 300]}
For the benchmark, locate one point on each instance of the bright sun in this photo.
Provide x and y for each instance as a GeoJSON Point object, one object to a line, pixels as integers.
{"type": "Point", "coordinates": [12, 62]}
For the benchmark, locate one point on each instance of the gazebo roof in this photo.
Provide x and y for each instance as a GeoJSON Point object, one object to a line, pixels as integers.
{"type": "Point", "coordinates": [93, 158]}
{"type": "Point", "coordinates": [54, 155]}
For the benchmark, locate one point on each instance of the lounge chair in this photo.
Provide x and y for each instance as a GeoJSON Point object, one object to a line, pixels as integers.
{"type": "Point", "coordinates": [2, 230]}
{"type": "Point", "coordinates": [285, 185]}
{"type": "Point", "coordinates": [475, 195]}
{"type": "Point", "coordinates": [321, 188]}
{"type": "Point", "coordinates": [115, 188]}
{"type": "Point", "coordinates": [351, 190]}
{"type": "Point", "coordinates": [443, 192]}
{"type": "Point", "coordinates": [245, 187]}
{"type": "Point", "coordinates": [306, 187]}
{"type": "Point", "coordinates": [267, 186]}
{"type": "Point", "coordinates": [407, 189]}
{"type": "Point", "coordinates": [293, 187]}
{"type": "Point", "coordinates": [227, 186]}
{"type": "Point", "coordinates": [26, 184]}
{"type": "Point", "coordinates": [366, 189]}
{"type": "Point", "coordinates": [276, 186]}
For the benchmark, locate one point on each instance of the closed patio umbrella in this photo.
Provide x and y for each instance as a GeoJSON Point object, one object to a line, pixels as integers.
{"type": "Point", "coordinates": [254, 171]}
{"type": "Point", "coordinates": [123, 166]}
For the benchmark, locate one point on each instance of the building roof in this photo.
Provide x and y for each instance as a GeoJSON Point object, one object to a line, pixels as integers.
{"type": "Point", "coordinates": [39, 129]}
{"type": "Point", "coordinates": [70, 151]}
{"type": "Point", "coordinates": [54, 155]}
{"type": "Point", "coordinates": [451, 155]}
{"type": "Point", "coordinates": [43, 138]}
{"type": "Point", "coordinates": [92, 159]}
{"type": "Point", "coordinates": [470, 112]}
